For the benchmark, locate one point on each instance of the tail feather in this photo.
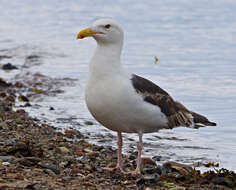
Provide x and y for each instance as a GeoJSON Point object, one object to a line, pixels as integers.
{"type": "Point", "coordinates": [201, 121]}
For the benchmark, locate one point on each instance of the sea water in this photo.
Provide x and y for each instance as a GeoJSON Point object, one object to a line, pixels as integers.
{"type": "Point", "coordinates": [195, 42]}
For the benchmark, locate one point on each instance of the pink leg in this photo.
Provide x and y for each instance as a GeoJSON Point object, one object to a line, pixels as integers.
{"type": "Point", "coordinates": [119, 154]}
{"type": "Point", "coordinates": [139, 160]}
{"type": "Point", "coordinates": [119, 151]}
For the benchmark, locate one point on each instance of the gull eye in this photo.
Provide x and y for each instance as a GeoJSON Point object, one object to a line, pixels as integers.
{"type": "Point", "coordinates": [107, 26]}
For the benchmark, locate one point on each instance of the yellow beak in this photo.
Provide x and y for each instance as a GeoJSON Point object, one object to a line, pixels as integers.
{"type": "Point", "coordinates": [85, 33]}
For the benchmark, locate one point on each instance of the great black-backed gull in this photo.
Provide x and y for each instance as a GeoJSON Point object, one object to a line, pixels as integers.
{"type": "Point", "coordinates": [125, 102]}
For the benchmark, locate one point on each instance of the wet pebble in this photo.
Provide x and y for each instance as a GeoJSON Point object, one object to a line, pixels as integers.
{"type": "Point", "coordinates": [7, 158]}
{"type": "Point", "coordinates": [23, 98]}
{"type": "Point", "coordinates": [79, 152]}
{"type": "Point", "coordinates": [70, 133]}
{"type": "Point", "coordinates": [88, 123]}
{"type": "Point", "coordinates": [27, 104]}
{"type": "Point", "coordinates": [148, 161]}
{"type": "Point", "coordinates": [4, 84]}
{"type": "Point", "coordinates": [28, 161]}
{"type": "Point", "coordinates": [160, 158]}
{"type": "Point", "coordinates": [174, 167]}
{"type": "Point", "coordinates": [5, 163]}
{"type": "Point", "coordinates": [147, 180]}
{"type": "Point", "coordinates": [3, 125]}
{"type": "Point", "coordinates": [63, 149]}
{"type": "Point", "coordinates": [50, 167]}
{"type": "Point", "coordinates": [4, 57]}
{"type": "Point", "coordinates": [3, 94]}
{"type": "Point", "coordinates": [219, 180]}
{"type": "Point", "coordinates": [150, 169]}
{"type": "Point", "coordinates": [178, 188]}
{"type": "Point", "coordinates": [8, 66]}
{"type": "Point", "coordinates": [93, 154]}
{"type": "Point", "coordinates": [51, 108]}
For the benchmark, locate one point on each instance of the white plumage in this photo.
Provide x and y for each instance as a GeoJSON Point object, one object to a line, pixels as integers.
{"type": "Point", "coordinates": [124, 102]}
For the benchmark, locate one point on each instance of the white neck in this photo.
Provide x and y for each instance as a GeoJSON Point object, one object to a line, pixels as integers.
{"type": "Point", "coordinates": [106, 60]}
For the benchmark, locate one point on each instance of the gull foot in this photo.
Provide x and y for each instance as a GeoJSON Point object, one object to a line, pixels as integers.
{"type": "Point", "coordinates": [113, 169]}
{"type": "Point", "coordinates": [136, 172]}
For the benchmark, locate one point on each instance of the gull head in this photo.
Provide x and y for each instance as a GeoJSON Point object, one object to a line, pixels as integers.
{"type": "Point", "coordinates": [104, 31]}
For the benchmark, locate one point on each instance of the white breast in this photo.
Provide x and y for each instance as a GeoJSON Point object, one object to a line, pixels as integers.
{"type": "Point", "coordinates": [114, 103]}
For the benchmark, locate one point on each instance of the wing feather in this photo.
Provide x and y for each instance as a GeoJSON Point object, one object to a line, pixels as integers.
{"type": "Point", "coordinates": [177, 114]}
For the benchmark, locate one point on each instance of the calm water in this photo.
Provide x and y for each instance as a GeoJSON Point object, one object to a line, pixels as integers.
{"type": "Point", "coordinates": [195, 42]}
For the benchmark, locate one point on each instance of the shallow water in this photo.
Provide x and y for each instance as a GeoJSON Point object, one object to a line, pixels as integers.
{"type": "Point", "coordinates": [195, 42]}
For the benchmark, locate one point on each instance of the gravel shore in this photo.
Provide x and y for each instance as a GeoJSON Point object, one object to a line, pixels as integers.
{"type": "Point", "coordinates": [35, 155]}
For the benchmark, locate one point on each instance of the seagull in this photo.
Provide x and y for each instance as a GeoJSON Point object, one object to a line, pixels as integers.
{"type": "Point", "coordinates": [125, 102]}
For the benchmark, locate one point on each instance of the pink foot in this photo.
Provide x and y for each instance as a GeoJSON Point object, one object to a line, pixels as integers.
{"type": "Point", "coordinates": [136, 172]}
{"type": "Point", "coordinates": [119, 165]}
{"type": "Point", "coordinates": [113, 169]}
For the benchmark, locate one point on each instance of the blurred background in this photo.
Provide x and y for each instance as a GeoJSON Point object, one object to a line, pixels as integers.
{"type": "Point", "coordinates": [194, 41]}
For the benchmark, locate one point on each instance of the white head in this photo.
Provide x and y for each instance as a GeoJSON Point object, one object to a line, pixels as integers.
{"type": "Point", "coordinates": [104, 31]}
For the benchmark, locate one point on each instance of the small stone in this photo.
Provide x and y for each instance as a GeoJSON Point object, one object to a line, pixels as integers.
{"type": "Point", "coordinates": [132, 156]}
{"type": "Point", "coordinates": [148, 161]}
{"type": "Point", "coordinates": [88, 167]}
{"type": "Point", "coordinates": [4, 57]}
{"type": "Point", "coordinates": [63, 164]}
{"type": "Point", "coordinates": [32, 57]}
{"type": "Point", "coordinates": [19, 84]}
{"type": "Point", "coordinates": [99, 170]}
{"type": "Point", "coordinates": [89, 176]}
{"type": "Point", "coordinates": [126, 182]}
{"type": "Point", "coordinates": [70, 133]}
{"type": "Point", "coordinates": [219, 180]}
{"type": "Point", "coordinates": [15, 176]}
{"type": "Point", "coordinates": [5, 163]}
{"type": "Point", "coordinates": [2, 180]}
{"type": "Point", "coordinates": [150, 169]}
{"type": "Point", "coordinates": [7, 158]}
{"type": "Point", "coordinates": [111, 165]}
{"type": "Point", "coordinates": [3, 94]}
{"type": "Point", "coordinates": [27, 104]}
{"type": "Point", "coordinates": [75, 171]}
{"type": "Point", "coordinates": [156, 158]}
{"type": "Point", "coordinates": [148, 180]}
{"type": "Point", "coordinates": [169, 185]}
{"type": "Point", "coordinates": [160, 158]}
{"type": "Point", "coordinates": [98, 148]}
{"type": "Point", "coordinates": [8, 66]}
{"type": "Point", "coordinates": [88, 150]}
{"type": "Point", "coordinates": [3, 125]}
{"type": "Point", "coordinates": [64, 149]}
{"type": "Point", "coordinates": [50, 172]}
{"type": "Point", "coordinates": [177, 188]}
{"type": "Point", "coordinates": [28, 161]}
{"type": "Point", "coordinates": [51, 108]}
{"type": "Point", "coordinates": [23, 98]}
{"type": "Point", "coordinates": [50, 167]}
{"type": "Point", "coordinates": [79, 152]}
{"type": "Point", "coordinates": [170, 167]}
{"type": "Point", "coordinates": [4, 83]}
{"type": "Point", "coordinates": [88, 123]}
{"type": "Point", "coordinates": [93, 154]}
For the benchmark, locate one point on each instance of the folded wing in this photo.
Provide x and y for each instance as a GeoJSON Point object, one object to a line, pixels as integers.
{"type": "Point", "coordinates": [177, 114]}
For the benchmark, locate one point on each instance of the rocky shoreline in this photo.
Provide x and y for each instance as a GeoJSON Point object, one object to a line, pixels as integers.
{"type": "Point", "coordinates": [35, 155]}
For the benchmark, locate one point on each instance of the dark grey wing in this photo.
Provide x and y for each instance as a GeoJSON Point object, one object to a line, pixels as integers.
{"type": "Point", "coordinates": [177, 113]}
{"type": "Point", "coordinates": [153, 94]}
